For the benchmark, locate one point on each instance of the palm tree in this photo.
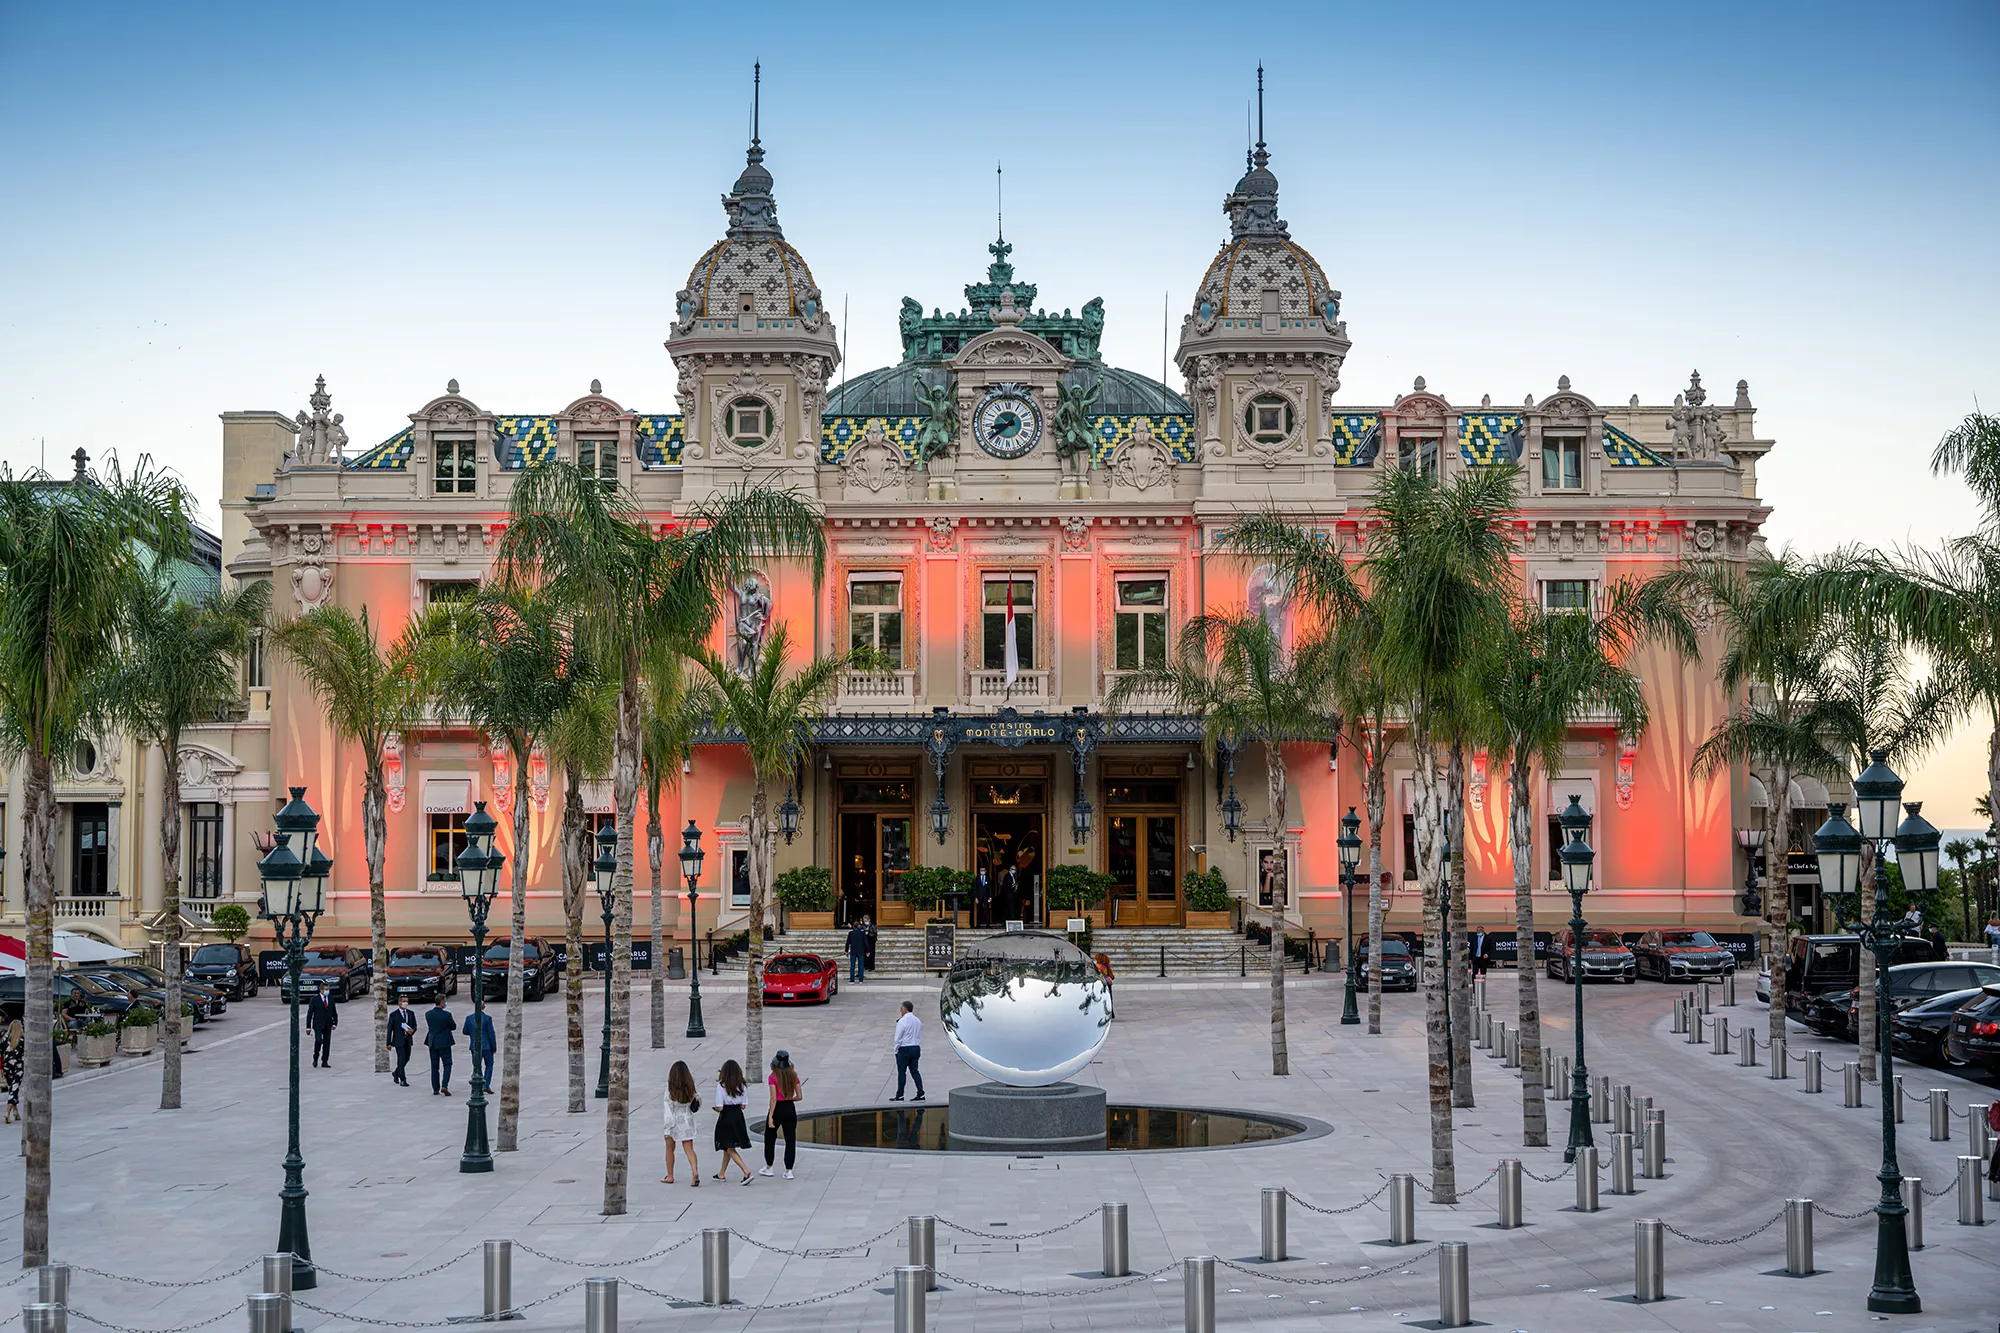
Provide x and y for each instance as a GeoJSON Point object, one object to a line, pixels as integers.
{"type": "Point", "coordinates": [71, 556]}
{"type": "Point", "coordinates": [666, 739]}
{"type": "Point", "coordinates": [368, 695]}
{"type": "Point", "coordinates": [180, 667]}
{"type": "Point", "coordinates": [503, 662]}
{"type": "Point", "coordinates": [579, 743]}
{"type": "Point", "coordinates": [1775, 667]}
{"type": "Point", "coordinates": [1232, 671]}
{"type": "Point", "coordinates": [594, 549]}
{"type": "Point", "coordinates": [1961, 850]}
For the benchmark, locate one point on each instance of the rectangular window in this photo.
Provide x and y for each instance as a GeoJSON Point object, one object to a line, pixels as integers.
{"type": "Point", "coordinates": [599, 458]}
{"type": "Point", "coordinates": [204, 850]}
{"type": "Point", "coordinates": [1414, 452]}
{"type": "Point", "coordinates": [1140, 623]}
{"type": "Point", "coordinates": [455, 466]}
{"type": "Point", "coordinates": [1566, 595]}
{"type": "Point", "coordinates": [1562, 465]}
{"type": "Point", "coordinates": [90, 849]}
{"type": "Point", "coordinates": [1409, 846]}
{"type": "Point", "coordinates": [875, 617]}
{"type": "Point", "coordinates": [994, 620]}
{"type": "Point", "coordinates": [447, 832]}
{"type": "Point", "coordinates": [450, 590]}
{"type": "Point", "coordinates": [739, 877]}
{"type": "Point", "coordinates": [1559, 792]}
{"type": "Point", "coordinates": [253, 665]}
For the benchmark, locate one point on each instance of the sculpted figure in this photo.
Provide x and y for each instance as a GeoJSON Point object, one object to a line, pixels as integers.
{"type": "Point", "coordinates": [935, 437]}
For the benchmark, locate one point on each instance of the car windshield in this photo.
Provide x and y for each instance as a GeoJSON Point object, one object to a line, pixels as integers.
{"type": "Point", "coordinates": [216, 953]}
{"type": "Point", "coordinates": [326, 957]}
{"type": "Point", "coordinates": [92, 984]}
{"type": "Point", "coordinates": [413, 958]}
{"type": "Point", "coordinates": [497, 951]}
{"type": "Point", "coordinates": [799, 966]}
{"type": "Point", "coordinates": [1948, 1003]}
{"type": "Point", "coordinates": [1699, 939]}
{"type": "Point", "coordinates": [1602, 939]}
{"type": "Point", "coordinates": [1390, 949]}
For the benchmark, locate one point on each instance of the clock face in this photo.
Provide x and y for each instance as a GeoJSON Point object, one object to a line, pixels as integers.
{"type": "Point", "coordinates": [1008, 423]}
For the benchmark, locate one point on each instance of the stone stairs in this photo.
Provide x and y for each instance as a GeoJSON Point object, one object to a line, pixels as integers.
{"type": "Point", "coordinates": [1134, 951]}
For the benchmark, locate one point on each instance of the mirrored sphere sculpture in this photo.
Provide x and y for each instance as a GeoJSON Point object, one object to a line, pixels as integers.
{"type": "Point", "coordinates": [1026, 1008]}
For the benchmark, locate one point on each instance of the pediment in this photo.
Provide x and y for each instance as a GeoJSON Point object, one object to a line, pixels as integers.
{"type": "Point", "coordinates": [1573, 405]}
{"type": "Point", "coordinates": [1012, 348]}
{"type": "Point", "coordinates": [593, 410]}
{"type": "Point", "coordinates": [1417, 405]}
{"type": "Point", "coordinates": [450, 409]}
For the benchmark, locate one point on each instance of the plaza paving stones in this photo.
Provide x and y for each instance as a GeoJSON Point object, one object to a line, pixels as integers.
{"type": "Point", "coordinates": [180, 1196]}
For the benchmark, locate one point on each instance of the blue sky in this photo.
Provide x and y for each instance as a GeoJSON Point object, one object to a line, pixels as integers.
{"type": "Point", "coordinates": [207, 206]}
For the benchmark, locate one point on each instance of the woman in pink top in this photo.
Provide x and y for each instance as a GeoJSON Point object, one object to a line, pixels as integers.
{"type": "Point", "coordinates": [786, 1087]}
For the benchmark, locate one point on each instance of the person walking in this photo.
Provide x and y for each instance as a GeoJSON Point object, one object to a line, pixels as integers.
{"type": "Point", "coordinates": [1992, 933]}
{"type": "Point", "coordinates": [440, 1035]}
{"type": "Point", "coordinates": [1480, 955]}
{"type": "Point", "coordinates": [402, 1035]}
{"type": "Point", "coordinates": [732, 1132]}
{"type": "Point", "coordinates": [857, 951]}
{"type": "Point", "coordinates": [322, 1017]}
{"type": "Point", "coordinates": [481, 1045]}
{"type": "Point", "coordinates": [909, 1050]}
{"type": "Point", "coordinates": [786, 1088]}
{"type": "Point", "coordinates": [682, 1103]}
{"type": "Point", "coordinates": [868, 925]}
{"type": "Point", "coordinates": [13, 1057]}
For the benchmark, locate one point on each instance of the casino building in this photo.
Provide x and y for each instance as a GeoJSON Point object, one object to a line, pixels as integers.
{"type": "Point", "coordinates": [1000, 467]}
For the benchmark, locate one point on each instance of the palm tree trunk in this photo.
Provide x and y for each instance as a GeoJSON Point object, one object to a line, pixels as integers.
{"type": "Point", "coordinates": [572, 882]}
{"type": "Point", "coordinates": [618, 968]}
{"type": "Point", "coordinates": [1521, 830]}
{"type": "Point", "coordinates": [508, 1137]}
{"type": "Point", "coordinates": [1864, 989]}
{"type": "Point", "coordinates": [375, 824]}
{"type": "Point", "coordinates": [170, 953]}
{"type": "Point", "coordinates": [1431, 870]}
{"type": "Point", "coordinates": [1377, 805]}
{"type": "Point", "coordinates": [1274, 776]}
{"type": "Point", "coordinates": [38, 1007]}
{"type": "Point", "coordinates": [760, 889]}
{"type": "Point", "coordinates": [1779, 910]}
{"type": "Point", "coordinates": [1459, 973]}
{"type": "Point", "coordinates": [657, 981]}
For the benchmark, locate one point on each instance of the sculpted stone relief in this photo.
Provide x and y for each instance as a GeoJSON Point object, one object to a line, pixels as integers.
{"type": "Point", "coordinates": [1142, 461]}
{"type": "Point", "coordinates": [874, 465]}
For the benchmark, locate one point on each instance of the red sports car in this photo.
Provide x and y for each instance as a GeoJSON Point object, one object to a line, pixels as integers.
{"type": "Point", "coordinates": [801, 978]}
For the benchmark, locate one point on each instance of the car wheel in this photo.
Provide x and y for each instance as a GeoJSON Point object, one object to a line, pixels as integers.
{"type": "Point", "coordinates": [1941, 1054]}
{"type": "Point", "coordinates": [531, 992]}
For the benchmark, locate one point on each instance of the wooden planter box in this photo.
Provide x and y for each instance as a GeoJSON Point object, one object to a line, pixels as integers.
{"type": "Point", "coordinates": [94, 1051]}
{"type": "Point", "coordinates": [1205, 920]}
{"type": "Point", "coordinates": [1059, 917]}
{"type": "Point", "coordinates": [138, 1041]}
{"type": "Point", "coordinates": [811, 920]}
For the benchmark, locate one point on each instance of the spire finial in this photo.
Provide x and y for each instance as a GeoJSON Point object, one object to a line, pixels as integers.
{"type": "Point", "coordinates": [999, 203]}
{"type": "Point", "coordinates": [1260, 104]}
{"type": "Point", "coordinates": [756, 101]}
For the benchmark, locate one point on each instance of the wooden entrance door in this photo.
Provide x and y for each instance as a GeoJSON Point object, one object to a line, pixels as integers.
{"type": "Point", "coordinates": [1009, 799]}
{"type": "Point", "coordinates": [876, 830]}
{"type": "Point", "coordinates": [1142, 841]}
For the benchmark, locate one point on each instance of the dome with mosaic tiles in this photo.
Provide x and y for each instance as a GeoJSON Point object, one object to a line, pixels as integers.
{"type": "Point", "coordinates": [753, 272]}
{"type": "Point", "coordinates": [1260, 257]}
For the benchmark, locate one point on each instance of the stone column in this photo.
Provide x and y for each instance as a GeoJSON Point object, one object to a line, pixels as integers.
{"type": "Point", "coordinates": [229, 886]}
{"type": "Point", "coordinates": [152, 856]}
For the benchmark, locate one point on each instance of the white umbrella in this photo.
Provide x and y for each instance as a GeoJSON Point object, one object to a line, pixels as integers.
{"type": "Point", "coordinates": [76, 948]}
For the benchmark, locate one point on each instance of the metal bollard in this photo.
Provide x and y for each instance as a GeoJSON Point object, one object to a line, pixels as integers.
{"type": "Point", "coordinates": [1566, 1080]}
{"type": "Point", "coordinates": [1548, 1071]}
{"type": "Point", "coordinates": [1510, 1193]}
{"type": "Point", "coordinates": [1273, 1248]}
{"type": "Point", "coordinates": [1707, 1002]}
{"type": "Point", "coordinates": [1117, 1242]}
{"type": "Point", "coordinates": [1780, 1060]}
{"type": "Point", "coordinates": [268, 1311]}
{"type": "Point", "coordinates": [1510, 1050]}
{"type": "Point", "coordinates": [278, 1282]}
{"type": "Point", "coordinates": [1402, 1209]}
{"type": "Point", "coordinates": [1913, 1220]}
{"type": "Point", "coordinates": [1971, 1208]}
{"type": "Point", "coordinates": [1729, 992]}
{"type": "Point", "coordinates": [1680, 1014]}
{"type": "Point", "coordinates": [1815, 1068]}
{"type": "Point", "coordinates": [715, 1265]}
{"type": "Point", "coordinates": [1496, 1040]}
{"type": "Point", "coordinates": [1600, 1100]}
{"type": "Point", "coordinates": [1586, 1179]}
{"type": "Point", "coordinates": [1850, 1084]}
{"type": "Point", "coordinates": [1655, 1144]}
{"type": "Point", "coordinates": [1693, 1030]}
{"type": "Point", "coordinates": [600, 1305]}
{"type": "Point", "coordinates": [498, 1265]}
{"type": "Point", "coordinates": [1746, 1050]}
{"type": "Point", "coordinates": [1649, 1277]}
{"type": "Point", "coordinates": [911, 1280]}
{"type": "Point", "coordinates": [1621, 1164]}
{"type": "Point", "coordinates": [1621, 1109]}
{"type": "Point", "coordinates": [1486, 1031]}
{"type": "Point", "coordinates": [1899, 1099]}
{"type": "Point", "coordinates": [1721, 1046]}
{"type": "Point", "coordinates": [1940, 1115]}
{"type": "Point", "coordinates": [48, 1317]}
{"type": "Point", "coordinates": [1454, 1285]}
{"type": "Point", "coordinates": [52, 1283]}
{"type": "Point", "coordinates": [923, 1247]}
{"type": "Point", "coordinates": [1798, 1237]}
{"type": "Point", "coordinates": [1198, 1293]}
{"type": "Point", "coordinates": [1976, 1139]}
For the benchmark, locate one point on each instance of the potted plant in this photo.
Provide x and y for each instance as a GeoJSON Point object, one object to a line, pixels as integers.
{"type": "Point", "coordinates": [97, 1044]}
{"type": "Point", "coordinates": [231, 921]}
{"type": "Point", "coordinates": [928, 889]}
{"type": "Point", "coordinates": [806, 894]}
{"type": "Point", "coordinates": [1206, 901]}
{"type": "Point", "coordinates": [1076, 891]}
{"type": "Point", "coordinates": [139, 1030]}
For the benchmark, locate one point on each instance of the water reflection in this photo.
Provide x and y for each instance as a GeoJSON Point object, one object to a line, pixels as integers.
{"type": "Point", "coordinates": [1127, 1129]}
{"type": "Point", "coordinates": [1027, 1008]}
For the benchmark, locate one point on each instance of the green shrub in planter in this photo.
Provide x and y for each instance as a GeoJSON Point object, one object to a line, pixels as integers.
{"type": "Point", "coordinates": [100, 1027]}
{"type": "Point", "coordinates": [805, 889]}
{"type": "Point", "coordinates": [1206, 891]}
{"type": "Point", "coordinates": [926, 888]}
{"type": "Point", "coordinates": [231, 921]}
{"type": "Point", "coordinates": [139, 1016]}
{"type": "Point", "coordinates": [1075, 888]}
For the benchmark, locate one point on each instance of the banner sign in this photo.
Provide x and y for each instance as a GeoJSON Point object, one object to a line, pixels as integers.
{"type": "Point", "coordinates": [939, 949]}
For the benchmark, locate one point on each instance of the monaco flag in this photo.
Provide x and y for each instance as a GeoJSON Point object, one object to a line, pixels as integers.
{"type": "Point", "coordinates": [1012, 647]}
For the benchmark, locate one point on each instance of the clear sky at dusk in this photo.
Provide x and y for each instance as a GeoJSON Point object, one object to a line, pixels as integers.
{"type": "Point", "coordinates": [209, 205]}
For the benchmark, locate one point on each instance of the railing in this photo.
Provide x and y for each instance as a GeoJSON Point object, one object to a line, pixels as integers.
{"type": "Point", "coordinates": [877, 689]}
{"type": "Point", "coordinates": [72, 909]}
{"type": "Point", "coordinates": [1152, 700]}
{"type": "Point", "coordinates": [1029, 687]}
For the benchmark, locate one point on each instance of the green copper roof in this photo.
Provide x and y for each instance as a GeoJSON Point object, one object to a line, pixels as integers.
{"type": "Point", "coordinates": [890, 392]}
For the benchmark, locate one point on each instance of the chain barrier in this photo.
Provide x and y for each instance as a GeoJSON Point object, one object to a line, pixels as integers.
{"type": "Point", "coordinates": [178, 1328]}
{"type": "Point", "coordinates": [1019, 1235]}
{"type": "Point", "coordinates": [400, 1277]}
{"type": "Point", "coordinates": [836, 1251]}
{"type": "Point", "coordinates": [1776, 1218]}
{"type": "Point", "coordinates": [1402, 1265]}
{"type": "Point", "coordinates": [157, 1282]}
{"type": "Point", "coordinates": [1132, 1281]}
{"type": "Point", "coordinates": [1925, 1099]}
{"type": "Point", "coordinates": [1549, 1180]}
{"type": "Point", "coordinates": [1844, 1217]}
{"type": "Point", "coordinates": [829, 1295]}
{"type": "Point", "coordinates": [1335, 1212]}
{"type": "Point", "coordinates": [1940, 1191]}
{"type": "Point", "coordinates": [393, 1323]}
{"type": "Point", "coordinates": [603, 1263]}
{"type": "Point", "coordinates": [1484, 1182]}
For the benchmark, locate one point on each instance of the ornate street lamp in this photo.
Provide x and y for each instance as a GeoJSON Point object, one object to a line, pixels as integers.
{"type": "Point", "coordinates": [1577, 859]}
{"type": "Point", "coordinates": [941, 818]}
{"type": "Point", "coordinates": [691, 859]}
{"type": "Point", "coordinates": [478, 869]}
{"type": "Point", "coordinates": [788, 816]}
{"type": "Point", "coordinates": [604, 870]}
{"type": "Point", "coordinates": [1349, 843]}
{"type": "Point", "coordinates": [295, 887]}
{"type": "Point", "coordinates": [1080, 812]}
{"type": "Point", "coordinates": [1751, 840]}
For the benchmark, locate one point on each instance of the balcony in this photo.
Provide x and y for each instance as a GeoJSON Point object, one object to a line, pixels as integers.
{"type": "Point", "coordinates": [1148, 700]}
{"type": "Point", "coordinates": [876, 691]}
{"type": "Point", "coordinates": [989, 689]}
{"type": "Point", "coordinates": [102, 912]}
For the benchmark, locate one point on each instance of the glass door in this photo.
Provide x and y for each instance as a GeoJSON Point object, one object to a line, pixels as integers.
{"type": "Point", "coordinates": [1142, 841]}
{"type": "Point", "coordinates": [877, 817]}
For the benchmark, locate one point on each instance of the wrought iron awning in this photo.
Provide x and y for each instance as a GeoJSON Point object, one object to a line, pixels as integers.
{"type": "Point", "coordinates": [1008, 728]}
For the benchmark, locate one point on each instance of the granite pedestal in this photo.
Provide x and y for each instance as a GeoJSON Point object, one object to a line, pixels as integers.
{"type": "Point", "coordinates": [994, 1117]}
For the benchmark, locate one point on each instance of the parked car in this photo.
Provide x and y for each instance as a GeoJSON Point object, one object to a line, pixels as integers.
{"type": "Point", "coordinates": [1918, 1032]}
{"type": "Point", "coordinates": [1682, 955]}
{"type": "Point", "coordinates": [541, 970]}
{"type": "Point", "coordinates": [801, 978]}
{"type": "Point", "coordinates": [345, 972]}
{"type": "Point", "coordinates": [1910, 983]}
{"type": "Point", "coordinates": [1399, 969]}
{"type": "Point", "coordinates": [421, 971]}
{"type": "Point", "coordinates": [1823, 965]}
{"type": "Point", "coordinates": [208, 1001]}
{"type": "Point", "coordinates": [1973, 1037]}
{"type": "Point", "coordinates": [96, 992]}
{"type": "Point", "coordinates": [1605, 957]}
{"type": "Point", "coordinates": [229, 967]}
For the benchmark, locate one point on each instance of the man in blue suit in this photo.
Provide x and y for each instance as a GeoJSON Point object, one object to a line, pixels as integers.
{"type": "Point", "coordinates": [440, 1035]}
{"type": "Point", "coordinates": [490, 1043]}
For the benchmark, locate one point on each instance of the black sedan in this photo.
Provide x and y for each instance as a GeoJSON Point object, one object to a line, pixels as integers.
{"type": "Point", "coordinates": [208, 1001]}
{"type": "Point", "coordinates": [344, 972]}
{"type": "Point", "coordinates": [1605, 957]}
{"type": "Point", "coordinates": [1974, 1035]}
{"type": "Point", "coordinates": [1682, 955]}
{"type": "Point", "coordinates": [1918, 1032]}
{"type": "Point", "coordinates": [1399, 970]}
{"type": "Point", "coordinates": [1836, 1014]}
{"type": "Point", "coordinates": [541, 972]}
{"type": "Point", "coordinates": [421, 972]}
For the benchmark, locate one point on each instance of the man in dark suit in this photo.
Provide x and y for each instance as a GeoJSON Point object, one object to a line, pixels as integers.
{"type": "Point", "coordinates": [402, 1032]}
{"type": "Point", "coordinates": [440, 1034]}
{"type": "Point", "coordinates": [1481, 951]}
{"type": "Point", "coordinates": [857, 951]}
{"type": "Point", "coordinates": [322, 1017]}
{"type": "Point", "coordinates": [483, 1043]}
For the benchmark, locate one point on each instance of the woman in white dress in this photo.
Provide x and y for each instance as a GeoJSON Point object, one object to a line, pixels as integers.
{"type": "Point", "coordinates": [682, 1103]}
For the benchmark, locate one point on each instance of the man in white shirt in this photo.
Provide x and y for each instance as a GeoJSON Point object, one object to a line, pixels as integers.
{"type": "Point", "coordinates": [909, 1049]}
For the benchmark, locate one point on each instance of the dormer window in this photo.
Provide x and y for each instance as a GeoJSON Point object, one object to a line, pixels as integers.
{"type": "Point", "coordinates": [749, 422]}
{"type": "Point", "coordinates": [599, 458]}
{"type": "Point", "coordinates": [456, 467]}
{"type": "Point", "coordinates": [1418, 453]}
{"type": "Point", "coordinates": [1562, 464]}
{"type": "Point", "coordinates": [1268, 419]}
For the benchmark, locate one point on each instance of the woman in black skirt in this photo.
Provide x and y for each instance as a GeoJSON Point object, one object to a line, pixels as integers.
{"type": "Point", "coordinates": [732, 1134]}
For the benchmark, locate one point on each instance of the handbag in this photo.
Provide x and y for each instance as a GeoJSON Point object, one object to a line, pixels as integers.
{"type": "Point", "coordinates": [695, 1105]}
